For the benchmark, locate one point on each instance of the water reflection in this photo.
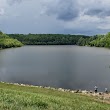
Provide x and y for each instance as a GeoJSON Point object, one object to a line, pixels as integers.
{"type": "Point", "coordinates": [70, 67]}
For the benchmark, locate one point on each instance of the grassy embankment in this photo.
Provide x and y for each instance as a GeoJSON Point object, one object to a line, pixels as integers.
{"type": "Point", "coordinates": [16, 97]}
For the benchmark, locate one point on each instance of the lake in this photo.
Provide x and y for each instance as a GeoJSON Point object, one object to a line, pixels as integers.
{"type": "Point", "coordinates": [70, 67]}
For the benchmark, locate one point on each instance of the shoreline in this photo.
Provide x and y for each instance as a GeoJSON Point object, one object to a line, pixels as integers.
{"type": "Point", "coordinates": [52, 88]}
{"type": "Point", "coordinates": [99, 96]}
{"type": "Point", "coordinates": [31, 97]}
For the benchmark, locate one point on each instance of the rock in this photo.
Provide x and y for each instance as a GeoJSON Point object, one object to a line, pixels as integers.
{"type": "Point", "coordinates": [85, 92]}
{"type": "Point", "coordinates": [22, 84]}
{"type": "Point", "coordinates": [40, 86]}
{"type": "Point", "coordinates": [60, 89]}
{"type": "Point", "coordinates": [72, 91]}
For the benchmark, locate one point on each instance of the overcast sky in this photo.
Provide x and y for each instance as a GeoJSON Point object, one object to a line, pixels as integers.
{"type": "Point", "coordinates": [88, 17]}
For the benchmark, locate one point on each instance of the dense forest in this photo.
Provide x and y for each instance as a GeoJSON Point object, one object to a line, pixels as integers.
{"type": "Point", "coordinates": [16, 40]}
{"type": "Point", "coordinates": [61, 39]}
{"type": "Point", "coordinates": [48, 39]}
{"type": "Point", "coordinates": [52, 39]}
{"type": "Point", "coordinates": [7, 42]}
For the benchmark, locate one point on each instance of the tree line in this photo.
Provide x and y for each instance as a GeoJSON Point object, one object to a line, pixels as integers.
{"type": "Point", "coordinates": [15, 40]}
{"type": "Point", "coordinates": [48, 39]}
{"type": "Point", "coordinates": [61, 39]}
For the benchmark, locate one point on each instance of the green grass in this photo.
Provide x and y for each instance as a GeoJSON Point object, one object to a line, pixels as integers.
{"type": "Point", "coordinates": [13, 97]}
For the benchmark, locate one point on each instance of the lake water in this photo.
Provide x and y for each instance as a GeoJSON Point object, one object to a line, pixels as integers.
{"type": "Point", "coordinates": [70, 67]}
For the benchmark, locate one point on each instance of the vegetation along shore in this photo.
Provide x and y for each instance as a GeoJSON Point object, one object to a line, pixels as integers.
{"type": "Point", "coordinates": [7, 42]}
{"type": "Point", "coordinates": [63, 39]}
{"type": "Point", "coordinates": [17, 40]}
{"type": "Point", "coordinates": [25, 97]}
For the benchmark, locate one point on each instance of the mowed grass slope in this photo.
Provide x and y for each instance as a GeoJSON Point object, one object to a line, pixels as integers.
{"type": "Point", "coordinates": [13, 97]}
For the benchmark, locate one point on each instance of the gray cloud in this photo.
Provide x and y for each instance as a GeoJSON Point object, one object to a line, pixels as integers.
{"type": "Point", "coordinates": [98, 12]}
{"type": "Point", "coordinates": [63, 9]}
{"type": "Point", "coordinates": [93, 12]}
{"type": "Point", "coordinates": [97, 8]}
{"type": "Point", "coordinates": [55, 16]}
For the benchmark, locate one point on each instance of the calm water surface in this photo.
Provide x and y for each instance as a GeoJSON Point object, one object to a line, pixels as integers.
{"type": "Point", "coordinates": [70, 67]}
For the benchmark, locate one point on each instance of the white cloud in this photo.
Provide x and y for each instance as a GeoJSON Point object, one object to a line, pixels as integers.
{"type": "Point", "coordinates": [3, 6]}
{"type": "Point", "coordinates": [2, 11]}
{"type": "Point", "coordinates": [3, 3]}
